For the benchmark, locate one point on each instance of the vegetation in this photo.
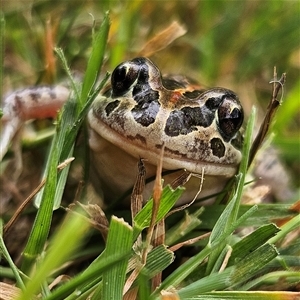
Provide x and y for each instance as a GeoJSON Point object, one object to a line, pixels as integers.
{"type": "Point", "coordinates": [236, 250]}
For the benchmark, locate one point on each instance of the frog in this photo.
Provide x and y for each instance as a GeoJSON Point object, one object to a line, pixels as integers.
{"type": "Point", "coordinates": [144, 115]}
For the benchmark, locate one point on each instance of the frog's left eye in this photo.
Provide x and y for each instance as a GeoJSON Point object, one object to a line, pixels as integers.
{"type": "Point", "coordinates": [123, 77]}
{"type": "Point", "coordinates": [230, 116]}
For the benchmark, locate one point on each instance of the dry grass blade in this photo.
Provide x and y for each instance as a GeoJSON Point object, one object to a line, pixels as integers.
{"type": "Point", "coordinates": [8, 291]}
{"type": "Point", "coordinates": [18, 212]}
{"type": "Point", "coordinates": [184, 178]}
{"type": "Point", "coordinates": [158, 239]}
{"type": "Point", "coordinates": [137, 193]}
{"type": "Point", "coordinates": [269, 116]}
{"type": "Point", "coordinates": [163, 39]}
{"type": "Point", "coordinates": [167, 295]}
{"type": "Point", "coordinates": [190, 242]}
{"type": "Point", "coordinates": [157, 191]}
{"type": "Point", "coordinates": [96, 217]}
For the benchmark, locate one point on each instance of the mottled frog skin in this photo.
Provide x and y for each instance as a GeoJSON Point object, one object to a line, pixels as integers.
{"type": "Point", "coordinates": [141, 111]}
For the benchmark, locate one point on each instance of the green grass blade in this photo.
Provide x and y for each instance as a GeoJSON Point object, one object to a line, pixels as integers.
{"type": "Point", "coordinates": [95, 60]}
{"type": "Point", "coordinates": [184, 226]}
{"type": "Point", "coordinates": [189, 266]}
{"type": "Point", "coordinates": [232, 276]}
{"type": "Point", "coordinates": [252, 263]}
{"type": "Point", "coordinates": [64, 62]}
{"type": "Point", "coordinates": [5, 254]}
{"type": "Point", "coordinates": [69, 141]}
{"type": "Point", "coordinates": [265, 213]}
{"type": "Point", "coordinates": [157, 260]}
{"type": "Point", "coordinates": [64, 243]}
{"type": "Point", "coordinates": [227, 218]}
{"type": "Point", "coordinates": [168, 199]}
{"type": "Point", "coordinates": [87, 279]}
{"type": "Point", "coordinates": [290, 276]}
{"type": "Point", "coordinates": [230, 213]}
{"type": "Point", "coordinates": [63, 126]}
{"type": "Point", "coordinates": [184, 270]}
{"type": "Point", "coordinates": [41, 226]}
{"type": "Point", "coordinates": [243, 218]}
{"type": "Point", "coordinates": [254, 295]}
{"type": "Point", "coordinates": [252, 241]}
{"type": "Point", "coordinates": [215, 281]}
{"type": "Point", "coordinates": [119, 241]}
{"type": "Point", "coordinates": [75, 109]}
{"type": "Point", "coordinates": [289, 226]}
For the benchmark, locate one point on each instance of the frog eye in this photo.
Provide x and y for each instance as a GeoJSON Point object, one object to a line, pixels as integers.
{"type": "Point", "coordinates": [230, 116]}
{"type": "Point", "coordinates": [123, 77]}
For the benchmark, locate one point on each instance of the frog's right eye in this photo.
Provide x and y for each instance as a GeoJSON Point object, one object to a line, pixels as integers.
{"type": "Point", "coordinates": [123, 77]}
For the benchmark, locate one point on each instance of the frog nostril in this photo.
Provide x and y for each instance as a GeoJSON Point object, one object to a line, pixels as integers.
{"type": "Point", "coordinates": [217, 147]}
{"type": "Point", "coordinates": [110, 107]}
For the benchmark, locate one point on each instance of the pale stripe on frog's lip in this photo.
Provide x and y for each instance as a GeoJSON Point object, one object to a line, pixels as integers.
{"type": "Point", "coordinates": [139, 150]}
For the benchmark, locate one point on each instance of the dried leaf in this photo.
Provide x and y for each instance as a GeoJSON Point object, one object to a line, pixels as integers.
{"type": "Point", "coordinates": [162, 39]}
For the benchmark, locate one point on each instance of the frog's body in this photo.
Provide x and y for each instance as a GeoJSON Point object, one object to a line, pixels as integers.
{"type": "Point", "coordinates": [140, 112]}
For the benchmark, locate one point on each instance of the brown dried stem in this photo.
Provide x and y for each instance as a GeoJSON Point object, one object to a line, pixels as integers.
{"type": "Point", "coordinates": [269, 116]}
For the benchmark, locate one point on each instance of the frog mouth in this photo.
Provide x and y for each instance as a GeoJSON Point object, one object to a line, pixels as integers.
{"type": "Point", "coordinates": [136, 147]}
